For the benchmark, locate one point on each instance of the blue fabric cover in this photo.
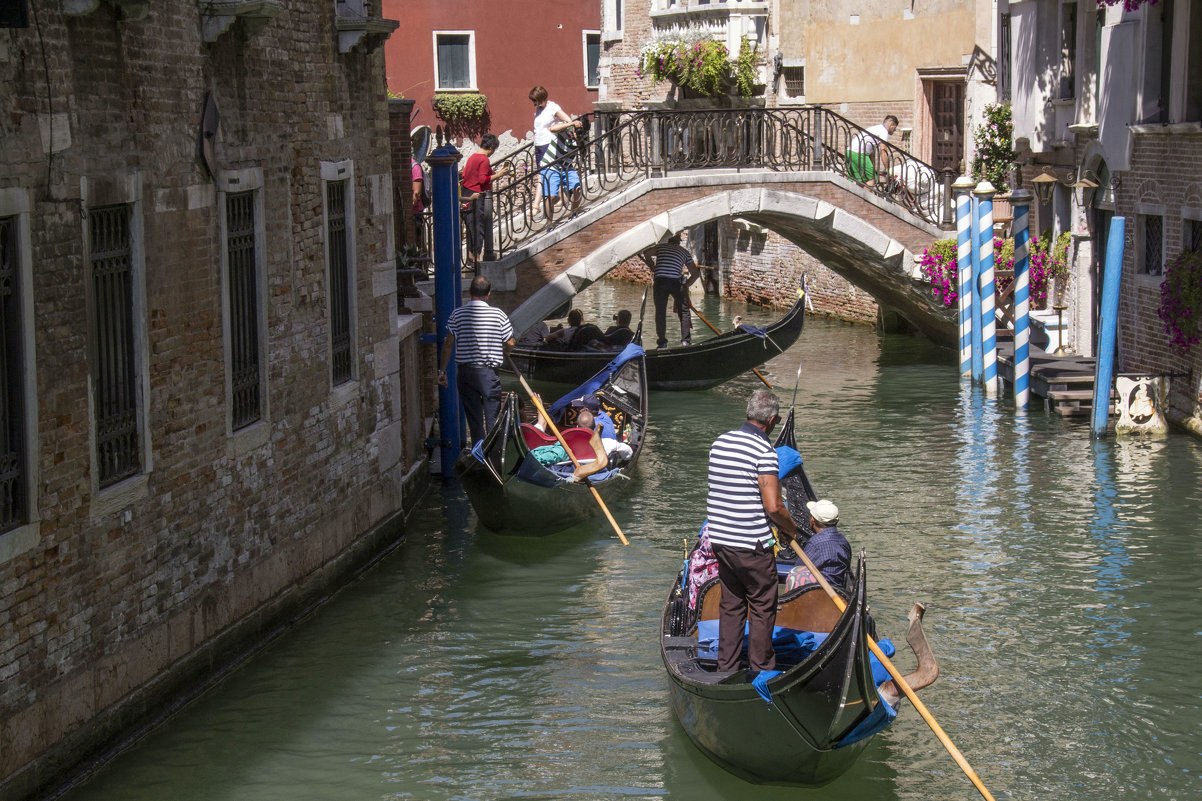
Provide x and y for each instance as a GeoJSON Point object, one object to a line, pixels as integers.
{"type": "Point", "coordinates": [758, 331]}
{"type": "Point", "coordinates": [788, 459]}
{"type": "Point", "coordinates": [478, 451]}
{"type": "Point", "coordinates": [631, 351]}
{"type": "Point", "coordinates": [760, 683]}
{"type": "Point", "coordinates": [880, 717]}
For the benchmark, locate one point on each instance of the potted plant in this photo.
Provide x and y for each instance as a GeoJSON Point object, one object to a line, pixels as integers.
{"type": "Point", "coordinates": [701, 67]}
{"type": "Point", "coordinates": [465, 113]}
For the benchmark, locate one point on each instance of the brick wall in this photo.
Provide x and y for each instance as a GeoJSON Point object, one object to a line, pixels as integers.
{"type": "Point", "coordinates": [120, 597]}
{"type": "Point", "coordinates": [1165, 177]}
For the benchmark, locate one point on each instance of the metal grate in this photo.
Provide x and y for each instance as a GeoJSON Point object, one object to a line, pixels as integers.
{"type": "Point", "coordinates": [13, 488]}
{"type": "Point", "coordinates": [1153, 244]}
{"type": "Point", "coordinates": [115, 372]}
{"type": "Point", "coordinates": [340, 309]}
{"type": "Point", "coordinates": [1193, 235]}
{"type": "Point", "coordinates": [1004, 60]}
{"type": "Point", "coordinates": [795, 81]}
{"type": "Point", "coordinates": [243, 309]}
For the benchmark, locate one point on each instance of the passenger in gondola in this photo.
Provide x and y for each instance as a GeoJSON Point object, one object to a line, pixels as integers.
{"type": "Point", "coordinates": [593, 404]}
{"type": "Point", "coordinates": [588, 467]}
{"type": "Point", "coordinates": [616, 336]}
{"type": "Point", "coordinates": [828, 549]}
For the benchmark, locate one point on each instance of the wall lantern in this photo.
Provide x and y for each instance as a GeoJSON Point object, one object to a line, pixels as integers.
{"type": "Point", "coordinates": [1085, 188]}
{"type": "Point", "coordinates": [1044, 183]}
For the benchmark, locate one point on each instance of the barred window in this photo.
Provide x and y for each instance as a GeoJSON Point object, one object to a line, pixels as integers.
{"type": "Point", "coordinates": [1192, 235]}
{"type": "Point", "coordinates": [114, 371]}
{"type": "Point", "coordinates": [14, 504]}
{"type": "Point", "coordinates": [795, 81]}
{"type": "Point", "coordinates": [1152, 248]}
{"type": "Point", "coordinates": [340, 276]}
{"type": "Point", "coordinates": [243, 282]}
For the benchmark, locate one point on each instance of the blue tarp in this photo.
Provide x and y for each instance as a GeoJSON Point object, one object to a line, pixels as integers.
{"type": "Point", "coordinates": [631, 351]}
{"type": "Point", "coordinates": [755, 330]}
{"type": "Point", "coordinates": [788, 460]}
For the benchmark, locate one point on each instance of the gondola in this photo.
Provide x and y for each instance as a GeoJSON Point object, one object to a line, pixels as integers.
{"type": "Point", "coordinates": [832, 695]}
{"type": "Point", "coordinates": [700, 366]}
{"type": "Point", "coordinates": [514, 494]}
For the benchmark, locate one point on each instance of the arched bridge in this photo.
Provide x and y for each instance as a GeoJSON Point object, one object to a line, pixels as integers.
{"type": "Point", "coordinates": [648, 173]}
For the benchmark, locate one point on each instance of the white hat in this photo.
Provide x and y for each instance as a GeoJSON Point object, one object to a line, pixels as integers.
{"type": "Point", "coordinates": [823, 512]}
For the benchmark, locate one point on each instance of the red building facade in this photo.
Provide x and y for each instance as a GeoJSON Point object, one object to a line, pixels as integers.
{"type": "Point", "coordinates": [498, 50]}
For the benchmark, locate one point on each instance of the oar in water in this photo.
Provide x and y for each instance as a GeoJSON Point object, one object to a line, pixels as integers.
{"type": "Point", "coordinates": [901, 683]}
{"type": "Point", "coordinates": [758, 374]}
{"type": "Point", "coordinates": [555, 430]}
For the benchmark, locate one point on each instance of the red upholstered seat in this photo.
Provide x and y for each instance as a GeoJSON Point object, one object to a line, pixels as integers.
{"type": "Point", "coordinates": [535, 438]}
{"type": "Point", "coordinates": [578, 440]}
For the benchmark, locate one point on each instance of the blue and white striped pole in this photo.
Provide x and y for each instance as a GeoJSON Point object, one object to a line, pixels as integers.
{"type": "Point", "coordinates": [978, 360]}
{"type": "Point", "coordinates": [963, 189]}
{"type": "Point", "coordinates": [1020, 199]}
{"type": "Point", "coordinates": [984, 193]}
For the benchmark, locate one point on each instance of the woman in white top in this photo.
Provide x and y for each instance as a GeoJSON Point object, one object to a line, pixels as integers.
{"type": "Point", "coordinates": [549, 119]}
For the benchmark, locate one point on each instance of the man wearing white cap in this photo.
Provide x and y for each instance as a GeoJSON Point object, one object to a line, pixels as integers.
{"type": "Point", "coordinates": [828, 549]}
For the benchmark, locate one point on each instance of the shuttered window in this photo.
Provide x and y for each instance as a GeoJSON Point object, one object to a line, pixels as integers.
{"type": "Point", "coordinates": [340, 289]}
{"type": "Point", "coordinates": [454, 52]}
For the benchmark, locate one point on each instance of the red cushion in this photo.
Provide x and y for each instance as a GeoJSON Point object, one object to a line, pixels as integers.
{"type": "Point", "coordinates": [535, 438]}
{"type": "Point", "coordinates": [578, 440]}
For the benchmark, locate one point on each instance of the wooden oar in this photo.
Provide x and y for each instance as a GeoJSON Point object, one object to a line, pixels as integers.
{"type": "Point", "coordinates": [555, 430]}
{"type": "Point", "coordinates": [758, 374]}
{"type": "Point", "coordinates": [901, 683]}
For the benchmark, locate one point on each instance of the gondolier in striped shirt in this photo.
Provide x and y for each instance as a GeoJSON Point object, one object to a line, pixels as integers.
{"type": "Point", "coordinates": [671, 260]}
{"type": "Point", "coordinates": [478, 334]}
{"type": "Point", "coordinates": [744, 495]}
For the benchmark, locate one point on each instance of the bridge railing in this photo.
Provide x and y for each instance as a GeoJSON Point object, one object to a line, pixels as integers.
{"type": "Point", "coordinates": [627, 146]}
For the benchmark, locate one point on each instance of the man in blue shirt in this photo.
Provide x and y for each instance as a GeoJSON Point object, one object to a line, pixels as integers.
{"type": "Point", "coordinates": [828, 549]}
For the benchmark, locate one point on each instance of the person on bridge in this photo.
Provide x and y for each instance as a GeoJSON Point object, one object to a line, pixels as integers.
{"type": "Point", "coordinates": [671, 260]}
{"type": "Point", "coordinates": [866, 147]}
{"type": "Point", "coordinates": [549, 119]}
{"type": "Point", "coordinates": [477, 178]}
{"type": "Point", "coordinates": [482, 333]}
{"type": "Point", "coordinates": [744, 495]}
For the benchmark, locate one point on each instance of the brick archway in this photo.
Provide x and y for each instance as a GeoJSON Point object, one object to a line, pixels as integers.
{"type": "Point", "coordinates": [867, 256]}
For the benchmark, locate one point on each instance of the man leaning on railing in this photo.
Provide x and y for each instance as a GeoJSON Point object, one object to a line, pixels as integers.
{"type": "Point", "coordinates": [865, 147]}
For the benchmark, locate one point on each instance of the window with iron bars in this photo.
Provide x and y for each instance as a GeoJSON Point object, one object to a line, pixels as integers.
{"type": "Point", "coordinates": [243, 299]}
{"type": "Point", "coordinates": [1152, 250]}
{"type": "Point", "coordinates": [1191, 235]}
{"type": "Point", "coordinates": [114, 371]}
{"type": "Point", "coordinates": [795, 81]}
{"type": "Point", "coordinates": [14, 503]}
{"type": "Point", "coordinates": [340, 288]}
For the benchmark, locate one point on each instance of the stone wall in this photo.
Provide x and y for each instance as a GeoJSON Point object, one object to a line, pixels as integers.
{"type": "Point", "coordinates": [114, 600]}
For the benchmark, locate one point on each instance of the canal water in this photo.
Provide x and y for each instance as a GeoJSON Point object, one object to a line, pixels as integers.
{"type": "Point", "coordinates": [1060, 575]}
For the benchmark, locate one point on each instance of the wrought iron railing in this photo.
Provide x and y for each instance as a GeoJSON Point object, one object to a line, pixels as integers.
{"type": "Point", "coordinates": [624, 147]}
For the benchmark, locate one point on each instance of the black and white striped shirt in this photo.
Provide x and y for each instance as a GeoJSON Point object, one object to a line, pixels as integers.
{"type": "Point", "coordinates": [480, 332]}
{"type": "Point", "coordinates": [734, 507]}
{"type": "Point", "coordinates": [670, 260]}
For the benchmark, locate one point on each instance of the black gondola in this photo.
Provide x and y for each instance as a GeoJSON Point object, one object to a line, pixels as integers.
{"type": "Point", "coordinates": [514, 494]}
{"type": "Point", "coordinates": [699, 366]}
{"type": "Point", "coordinates": [826, 703]}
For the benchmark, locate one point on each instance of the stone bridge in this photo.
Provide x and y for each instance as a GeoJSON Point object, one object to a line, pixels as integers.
{"type": "Point", "coordinates": [646, 174]}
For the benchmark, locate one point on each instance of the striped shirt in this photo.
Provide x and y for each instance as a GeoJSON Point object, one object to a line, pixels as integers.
{"type": "Point", "coordinates": [670, 260]}
{"type": "Point", "coordinates": [562, 145]}
{"type": "Point", "coordinates": [734, 506]}
{"type": "Point", "coordinates": [480, 332]}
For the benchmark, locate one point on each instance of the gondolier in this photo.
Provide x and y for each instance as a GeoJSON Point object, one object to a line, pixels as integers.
{"type": "Point", "coordinates": [744, 494]}
{"type": "Point", "coordinates": [671, 260]}
{"type": "Point", "coordinates": [478, 334]}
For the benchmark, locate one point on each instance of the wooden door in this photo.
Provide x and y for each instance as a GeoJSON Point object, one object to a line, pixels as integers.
{"type": "Point", "coordinates": [947, 150]}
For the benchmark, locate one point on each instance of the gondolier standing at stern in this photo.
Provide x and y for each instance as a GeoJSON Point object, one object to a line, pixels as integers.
{"type": "Point", "coordinates": [744, 495]}
{"type": "Point", "coordinates": [478, 334]}
{"type": "Point", "coordinates": [671, 259]}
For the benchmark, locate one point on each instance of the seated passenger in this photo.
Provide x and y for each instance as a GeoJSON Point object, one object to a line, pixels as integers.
{"type": "Point", "coordinates": [590, 466]}
{"type": "Point", "coordinates": [614, 447]}
{"type": "Point", "coordinates": [617, 336]}
{"type": "Point", "coordinates": [828, 549]}
{"type": "Point", "coordinates": [562, 336]}
{"type": "Point", "coordinates": [535, 336]}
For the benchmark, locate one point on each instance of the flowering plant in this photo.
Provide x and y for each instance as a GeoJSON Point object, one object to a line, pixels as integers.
{"type": "Point", "coordinates": [994, 145]}
{"type": "Point", "coordinates": [1047, 261]}
{"type": "Point", "coordinates": [702, 65]}
{"type": "Point", "coordinates": [1128, 5]}
{"type": "Point", "coordinates": [1181, 300]}
{"type": "Point", "coordinates": [938, 264]}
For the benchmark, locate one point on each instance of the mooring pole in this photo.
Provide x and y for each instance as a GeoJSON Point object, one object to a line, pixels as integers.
{"type": "Point", "coordinates": [448, 291]}
{"type": "Point", "coordinates": [1108, 328]}
{"type": "Point", "coordinates": [1020, 199]}
{"type": "Point", "coordinates": [964, 260]}
{"type": "Point", "coordinates": [985, 193]}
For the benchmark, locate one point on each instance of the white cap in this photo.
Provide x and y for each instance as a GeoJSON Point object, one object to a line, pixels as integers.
{"type": "Point", "coordinates": [823, 512]}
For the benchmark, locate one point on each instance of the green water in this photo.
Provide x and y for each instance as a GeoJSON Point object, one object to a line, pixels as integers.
{"type": "Point", "coordinates": [1059, 575]}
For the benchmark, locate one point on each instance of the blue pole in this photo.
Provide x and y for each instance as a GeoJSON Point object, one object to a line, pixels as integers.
{"type": "Point", "coordinates": [984, 193]}
{"type": "Point", "coordinates": [1020, 199]}
{"type": "Point", "coordinates": [448, 292]}
{"type": "Point", "coordinates": [978, 356]}
{"type": "Point", "coordinates": [963, 190]}
{"type": "Point", "coordinates": [1108, 325]}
